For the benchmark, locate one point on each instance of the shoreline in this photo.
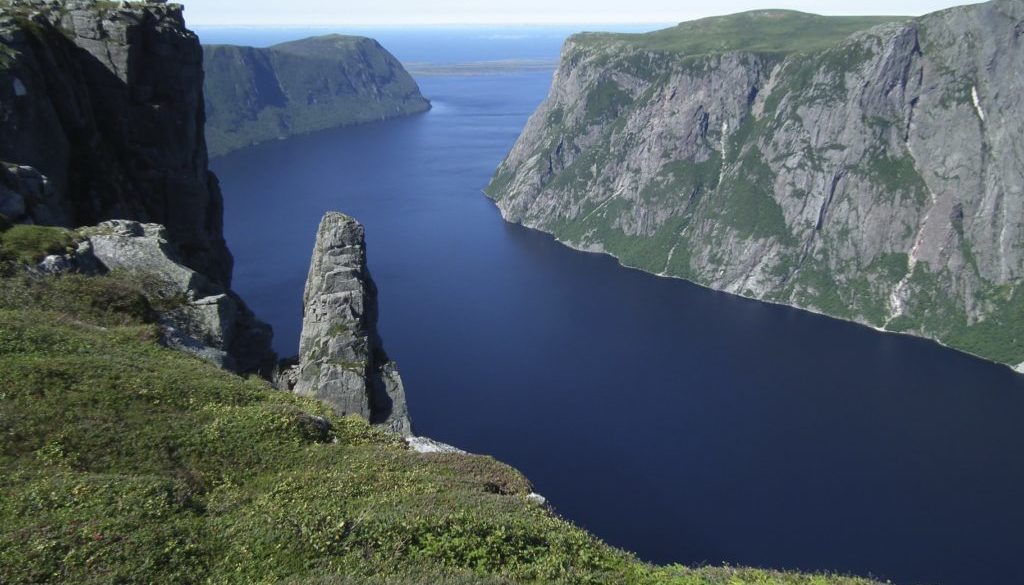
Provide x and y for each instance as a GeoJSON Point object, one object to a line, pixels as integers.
{"type": "Point", "coordinates": [1017, 369]}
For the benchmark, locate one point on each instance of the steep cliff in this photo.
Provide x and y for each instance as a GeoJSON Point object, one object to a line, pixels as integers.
{"type": "Point", "coordinates": [254, 95]}
{"type": "Point", "coordinates": [104, 100]}
{"type": "Point", "coordinates": [875, 176]}
{"type": "Point", "coordinates": [101, 118]}
{"type": "Point", "coordinates": [341, 357]}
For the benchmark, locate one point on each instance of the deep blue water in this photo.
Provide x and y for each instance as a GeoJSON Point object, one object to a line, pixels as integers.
{"type": "Point", "coordinates": [682, 424]}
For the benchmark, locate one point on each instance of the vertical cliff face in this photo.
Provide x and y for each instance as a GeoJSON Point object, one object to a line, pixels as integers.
{"type": "Point", "coordinates": [105, 100]}
{"type": "Point", "coordinates": [341, 357]}
{"type": "Point", "coordinates": [875, 176]}
{"type": "Point", "coordinates": [259, 94]}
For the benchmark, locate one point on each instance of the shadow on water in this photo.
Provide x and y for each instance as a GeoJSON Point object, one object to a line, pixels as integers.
{"type": "Point", "coordinates": [680, 423]}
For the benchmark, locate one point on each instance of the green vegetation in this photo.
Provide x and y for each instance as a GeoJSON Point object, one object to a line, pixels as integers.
{"type": "Point", "coordinates": [957, 92]}
{"type": "Point", "coordinates": [499, 184]}
{"type": "Point", "coordinates": [605, 100]}
{"type": "Point", "coordinates": [682, 222]}
{"type": "Point", "coordinates": [7, 56]}
{"type": "Point", "coordinates": [337, 330]}
{"type": "Point", "coordinates": [999, 336]}
{"type": "Point", "coordinates": [32, 243]}
{"type": "Point", "coordinates": [747, 201]}
{"type": "Point", "coordinates": [816, 287]}
{"type": "Point", "coordinates": [761, 31]}
{"type": "Point", "coordinates": [940, 45]}
{"type": "Point", "coordinates": [111, 301]}
{"type": "Point", "coordinates": [556, 117]}
{"type": "Point", "coordinates": [577, 177]}
{"type": "Point", "coordinates": [861, 294]}
{"type": "Point", "coordinates": [646, 252]}
{"type": "Point", "coordinates": [894, 175]}
{"type": "Point", "coordinates": [107, 5]}
{"type": "Point", "coordinates": [818, 77]}
{"type": "Point", "coordinates": [254, 95]}
{"type": "Point", "coordinates": [682, 179]}
{"type": "Point", "coordinates": [124, 462]}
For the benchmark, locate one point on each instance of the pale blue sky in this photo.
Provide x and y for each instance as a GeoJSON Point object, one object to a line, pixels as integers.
{"type": "Point", "coordinates": [422, 12]}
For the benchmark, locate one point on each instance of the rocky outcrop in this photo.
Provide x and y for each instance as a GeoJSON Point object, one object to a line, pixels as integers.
{"type": "Point", "coordinates": [341, 357]}
{"type": "Point", "coordinates": [428, 445]}
{"type": "Point", "coordinates": [259, 94]}
{"type": "Point", "coordinates": [104, 99]}
{"type": "Point", "coordinates": [26, 195]}
{"type": "Point", "coordinates": [875, 176]}
{"type": "Point", "coordinates": [197, 315]}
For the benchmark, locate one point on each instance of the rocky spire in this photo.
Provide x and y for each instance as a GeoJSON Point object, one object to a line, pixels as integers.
{"type": "Point", "coordinates": [341, 357]}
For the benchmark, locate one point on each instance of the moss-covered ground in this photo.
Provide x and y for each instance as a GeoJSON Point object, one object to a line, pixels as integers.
{"type": "Point", "coordinates": [760, 31]}
{"type": "Point", "coordinates": [125, 462]}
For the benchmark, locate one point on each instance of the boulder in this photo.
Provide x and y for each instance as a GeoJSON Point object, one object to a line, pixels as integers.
{"type": "Point", "coordinates": [197, 315]}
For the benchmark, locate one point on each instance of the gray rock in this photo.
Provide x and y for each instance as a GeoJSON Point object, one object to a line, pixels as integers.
{"type": "Point", "coordinates": [878, 180]}
{"type": "Point", "coordinates": [177, 339]}
{"type": "Point", "coordinates": [286, 375]}
{"type": "Point", "coordinates": [341, 358]}
{"type": "Point", "coordinates": [199, 316]}
{"type": "Point", "coordinates": [537, 499]}
{"type": "Point", "coordinates": [81, 261]}
{"type": "Point", "coordinates": [144, 249]}
{"type": "Point", "coordinates": [26, 195]}
{"type": "Point", "coordinates": [12, 204]}
{"type": "Point", "coordinates": [106, 101]}
{"type": "Point", "coordinates": [428, 445]}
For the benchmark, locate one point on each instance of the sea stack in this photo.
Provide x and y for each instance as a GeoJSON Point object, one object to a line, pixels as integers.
{"type": "Point", "coordinates": [341, 357]}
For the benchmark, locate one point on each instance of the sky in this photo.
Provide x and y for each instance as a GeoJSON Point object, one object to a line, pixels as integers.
{"type": "Point", "coordinates": [435, 12]}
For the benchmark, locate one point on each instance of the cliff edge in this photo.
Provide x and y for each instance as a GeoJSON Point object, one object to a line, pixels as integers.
{"type": "Point", "coordinates": [864, 168]}
{"type": "Point", "coordinates": [258, 94]}
{"type": "Point", "coordinates": [105, 100]}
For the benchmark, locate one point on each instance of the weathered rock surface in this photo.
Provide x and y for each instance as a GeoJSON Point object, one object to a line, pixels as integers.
{"type": "Point", "coordinates": [105, 100]}
{"type": "Point", "coordinates": [198, 315]}
{"type": "Point", "coordinates": [428, 445]}
{"type": "Point", "coordinates": [876, 177]}
{"type": "Point", "coordinates": [259, 94]}
{"type": "Point", "coordinates": [341, 357]}
{"type": "Point", "coordinates": [26, 195]}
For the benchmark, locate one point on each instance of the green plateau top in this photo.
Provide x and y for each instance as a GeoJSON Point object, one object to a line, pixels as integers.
{"type": "Point", "coordinates": [759, 31]}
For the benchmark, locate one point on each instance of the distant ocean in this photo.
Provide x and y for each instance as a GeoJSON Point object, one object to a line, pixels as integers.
{"type": "Point", "coordinates": [437, 45]}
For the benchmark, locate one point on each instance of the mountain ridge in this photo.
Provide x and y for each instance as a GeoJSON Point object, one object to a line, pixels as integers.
{"type": "Point", "coordinates": [872, 180]}
{"type": "Point", "coordinates": [258, 94]}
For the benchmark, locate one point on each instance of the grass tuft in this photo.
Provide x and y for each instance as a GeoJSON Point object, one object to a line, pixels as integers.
{"type": "Point", "coordinates": [31, 243]}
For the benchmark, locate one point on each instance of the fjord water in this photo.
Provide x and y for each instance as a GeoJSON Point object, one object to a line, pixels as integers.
{"type": "Point", "coordinates": [682, 424]}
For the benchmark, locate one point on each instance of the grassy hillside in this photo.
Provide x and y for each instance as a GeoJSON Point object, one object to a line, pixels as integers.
{"type": "Point", "coordinates": [124, 462]}
{"type": "Point", "coordinates": [761, 31]}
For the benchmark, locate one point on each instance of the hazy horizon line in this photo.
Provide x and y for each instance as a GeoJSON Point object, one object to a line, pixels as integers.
{"type": "Point", "coordinates": [431, 24]}
{"type": "Point", "coordinates": [644, 21]}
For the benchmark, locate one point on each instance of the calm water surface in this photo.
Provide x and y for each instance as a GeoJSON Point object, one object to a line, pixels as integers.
{"type": "Point", "coordinates": [680, 423]}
